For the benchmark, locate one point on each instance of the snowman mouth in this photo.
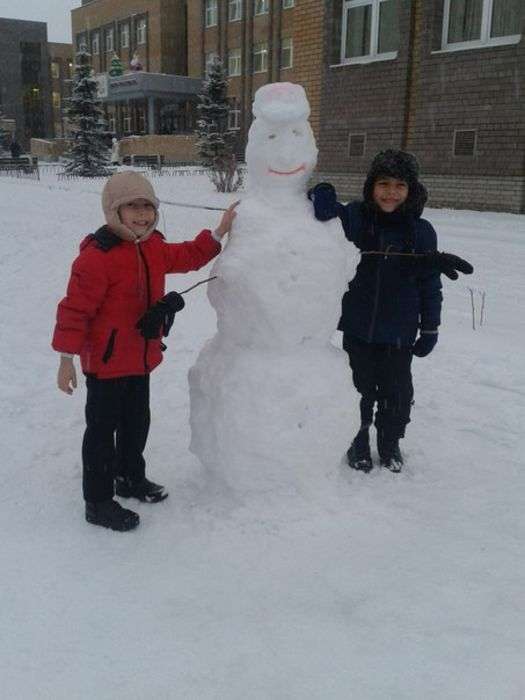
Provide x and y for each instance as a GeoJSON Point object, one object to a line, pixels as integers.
{"type": "Point", "coordinates": [288, 172]}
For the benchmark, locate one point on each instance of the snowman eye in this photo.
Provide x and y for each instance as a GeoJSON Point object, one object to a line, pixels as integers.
{"type": "Point", "coordinates": [297, 132]}
{"type": "Point", "coordinates": [272, 136]}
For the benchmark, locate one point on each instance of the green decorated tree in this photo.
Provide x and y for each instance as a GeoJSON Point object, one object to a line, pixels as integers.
{"type": "Point", "coordinates": [215, 140]}
{"type": "Point", "coordinates": [88, 156]}
{"type": "Point", "coordinates": [116, 68]}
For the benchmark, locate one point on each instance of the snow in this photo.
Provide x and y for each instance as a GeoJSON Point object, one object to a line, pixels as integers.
{"type": "Point", "coordinates": [398, 586]}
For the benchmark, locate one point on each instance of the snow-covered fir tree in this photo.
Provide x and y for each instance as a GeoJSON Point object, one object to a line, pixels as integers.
{"type": "Point", "coordinates": [116, 68]}
{"type": "Point", "coordinates": [89, 155]}
{"type": "Point", "coordinates": [216, 140]}
{"type": "Point", "coordinates": [3, 132]}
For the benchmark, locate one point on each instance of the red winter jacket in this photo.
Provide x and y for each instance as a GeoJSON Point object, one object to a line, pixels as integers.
{"type": "Point", "coordinates": [112, 284]}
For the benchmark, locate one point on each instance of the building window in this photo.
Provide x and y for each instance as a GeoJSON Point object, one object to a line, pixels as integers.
{"type": "Point", "coordinates": [234, 10]}
{"type": "Point", "coordinates": [234, 62]}
{"type": "Point", "coordinates": [370, 30]}
{"type": "Point", "coordinates": [209, 59]}
{"type": "Point", "coordinates": [142, 29]}
{"type": "Point", "coordinates": [287, 53]}
{"type": "Point", "coordinates": [95, 44]}
{"type": "Point", "coordinates": [110, 41]}
{"type": "Point", "coordinates": [55, 70]}
{"type": "Point", "coordinates": [127, 124]}
{"type": "Point", "coordinates": [124, 36]}
{"type": "Point", "coordinates": [82, 42]}
{"type": "Point", "coordinates": [464, 142]}
{"type": "Point", "coordinates": [260, 57]}
{"type": "Point", "coordinates": [472, 23]}
{"type": "Point", "coordinates": [356, 145]}
{"type": "Point", "coordinates": [234, 115]}
{"type": "Point", "coordinates": [211, 13]}
{"type": "Point", "coordinates": [288, 3]}
{"type": "Point", "coordinates": [261, 7]}
{"type": "Point", "coordinates": [56, 101]}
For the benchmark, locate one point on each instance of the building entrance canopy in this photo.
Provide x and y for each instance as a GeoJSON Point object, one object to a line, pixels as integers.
{"type": "Point", "coordinates": [141, 85]}
{"type": "Point", "coordinates": [149, 102]}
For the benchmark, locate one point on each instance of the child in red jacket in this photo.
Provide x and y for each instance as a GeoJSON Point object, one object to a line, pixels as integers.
{"type": "Point", "coordinates": [119, 275]}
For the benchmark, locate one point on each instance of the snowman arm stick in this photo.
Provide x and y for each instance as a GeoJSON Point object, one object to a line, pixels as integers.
{"type": "Point", "coordinates": [199, 283]}
{"type": "Point", "coordinates": [191, 206]}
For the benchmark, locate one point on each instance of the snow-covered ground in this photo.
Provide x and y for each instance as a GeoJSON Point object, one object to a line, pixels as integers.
{"type": "Point", "coordinates": [403, 586]}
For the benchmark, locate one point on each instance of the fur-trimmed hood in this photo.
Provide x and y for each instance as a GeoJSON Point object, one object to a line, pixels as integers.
{"type": "Point", "coordinates": [122, 188]}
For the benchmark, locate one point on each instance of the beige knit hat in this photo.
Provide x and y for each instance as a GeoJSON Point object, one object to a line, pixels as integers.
{"type": "Point", "coordinates": [122, 188]}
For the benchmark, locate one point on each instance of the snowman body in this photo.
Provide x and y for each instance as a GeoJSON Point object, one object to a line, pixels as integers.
{"type": "Point", "coordinates": [269, 392]}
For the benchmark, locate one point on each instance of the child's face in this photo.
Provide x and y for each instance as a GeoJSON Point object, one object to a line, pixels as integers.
{"type": "Point", "coordinates": [389, 193]}
{"type": "Point", "coordinates": [138, 215]}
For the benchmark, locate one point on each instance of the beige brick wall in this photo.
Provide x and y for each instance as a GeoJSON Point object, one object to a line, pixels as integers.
{"type": "Point", "coordinates": [173, 147]}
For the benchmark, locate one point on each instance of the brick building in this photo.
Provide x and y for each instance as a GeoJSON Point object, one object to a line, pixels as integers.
{"type": "Point", "coordinates": [25, 85]}
{"type": "Point", "coordinates": [61, 67]}
{"type": "Point", "coordinates": [442, 78]}
{"type": "Point", "coordinates": [154, 31]}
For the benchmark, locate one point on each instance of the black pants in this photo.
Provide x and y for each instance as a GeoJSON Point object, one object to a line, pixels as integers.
{"type": "Point", "coordinates": [117, 426]}
{"type": "Point", "coordinates": [381, 374]}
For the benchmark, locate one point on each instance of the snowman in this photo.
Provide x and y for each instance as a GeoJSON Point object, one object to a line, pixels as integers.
{"type": "Point", "coordinates": [269, 393]}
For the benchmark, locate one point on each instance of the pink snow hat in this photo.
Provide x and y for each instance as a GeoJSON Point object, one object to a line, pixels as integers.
{"type": "Point", "coordinates": [123, 188]}
{"type": "Point", "coordinates": [281, 103]}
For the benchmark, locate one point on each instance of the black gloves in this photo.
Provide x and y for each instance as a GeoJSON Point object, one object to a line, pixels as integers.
{"type": "Point", "coordinates": [324, 198]}
{"type": "Point", "coordinates": [158, 319]}
{"type": "Point", "coordinates": [446, 263]}
{"type": "Point", "coordinates": [425, 343]}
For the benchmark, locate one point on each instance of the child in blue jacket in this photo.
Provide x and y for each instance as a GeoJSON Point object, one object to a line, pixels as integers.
{"type": "Point", "coordinates": [392, 308]}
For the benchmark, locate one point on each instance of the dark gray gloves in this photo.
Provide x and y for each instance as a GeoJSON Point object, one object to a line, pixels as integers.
{"type": "Point", "coordinates": [446, 263]}
{"type": "Point", "coordinates": [159, 318]}
{"type": "Point", "coordinates": [425, 343]}
{"type": "Point", "coordinates": [324, 199]}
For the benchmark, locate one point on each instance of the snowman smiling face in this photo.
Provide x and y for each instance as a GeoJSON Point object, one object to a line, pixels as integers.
{"type": "Point", "coordinates": [281, 151]}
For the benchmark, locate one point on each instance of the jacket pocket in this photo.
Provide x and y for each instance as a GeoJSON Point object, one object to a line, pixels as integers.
{"type": "Point", "coordinates": [108, 352]}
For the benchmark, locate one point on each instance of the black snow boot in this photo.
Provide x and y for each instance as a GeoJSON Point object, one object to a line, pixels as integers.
{"type": "Point", "coordinates": [390, 455]}
{"type": "Point", "coordinates": [144, 490]}
{"type": "Point", "coordinates": [358, 454]}
{"type": "Point", "coordinates": [111, 514]}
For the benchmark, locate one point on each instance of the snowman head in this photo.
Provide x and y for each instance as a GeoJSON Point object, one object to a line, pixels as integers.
{"type": "Point", "coordinates": [281, 153]}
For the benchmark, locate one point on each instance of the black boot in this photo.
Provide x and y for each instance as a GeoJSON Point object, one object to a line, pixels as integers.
{"type": "Point", "coordinates": [390, 455]}
{"type": "Point", "coordinates": [144, 490]}
{"type": "Point", "coordinates": [111, 514]}
{"type": "Point", "coordinates": [358, 454]}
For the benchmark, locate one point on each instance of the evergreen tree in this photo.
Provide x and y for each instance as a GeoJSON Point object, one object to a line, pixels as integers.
{"type": "Point", "coordinates": [215, 141]}
{"type": "Point", "coordinates": [116, 67]}
{"type": "Point", "coordinates": [3, 132]}
{"type": "Point", "coordinates": [88, 156]}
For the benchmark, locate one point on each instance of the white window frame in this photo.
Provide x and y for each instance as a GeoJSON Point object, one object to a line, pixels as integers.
{"type": "Point", "coordinates": [211, 13]}
{"type": "Point", "coordinates": [109, 45]}
{"type": "Point", "coordinates": [234, 10]}
{"type": "Point", "coordinates": [485, 38]}
{"type": "Point", "coordinates": [142, 31]}
{"type": "Point", "coordinates": [374, 33]}
{"type": "Point", "coordinates": [95, 43]}
{"type": "Point", "coordinates": [235, 62]}
{"type": "Point", "coordinates": [264, 7]}
{"type": "Point", "coordinates": [287, 4]}
{"type": "Point", "coordinates": [234, 116]}
{"type": "Point", "coordinates": [290, 40]}
{"type": "Point", "coordinates": [261, 49]}
{"type": "Point", "coordinates": [124, 34]}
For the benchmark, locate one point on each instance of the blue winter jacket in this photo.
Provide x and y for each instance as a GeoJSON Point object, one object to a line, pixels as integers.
{"type": "Point", "coordinates": [389, 299]}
